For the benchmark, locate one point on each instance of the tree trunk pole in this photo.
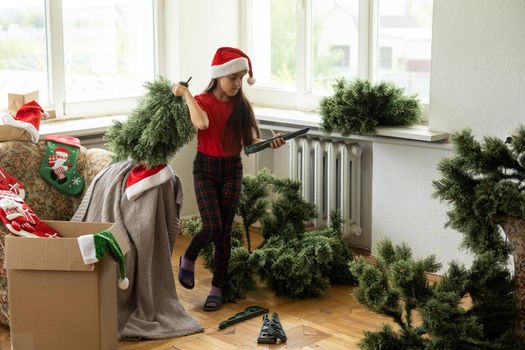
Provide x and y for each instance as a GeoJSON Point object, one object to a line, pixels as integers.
{"type": "Point", "coordinates": [515, 231]}
{"type": "Point", "coordinates": [247, 230]}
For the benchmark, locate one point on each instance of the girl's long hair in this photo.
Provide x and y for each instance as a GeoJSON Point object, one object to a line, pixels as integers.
{"type": "Point", "coordinates": [241, 124]}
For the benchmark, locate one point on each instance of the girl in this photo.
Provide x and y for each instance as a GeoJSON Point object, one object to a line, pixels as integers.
{"type": "Point", "coordinates": [225, 122]}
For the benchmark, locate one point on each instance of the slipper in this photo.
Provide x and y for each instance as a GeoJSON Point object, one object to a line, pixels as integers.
{"type": "Point", "coordinates": [186, 277]}
{"type": "Point", "coordinates": [212, 303]}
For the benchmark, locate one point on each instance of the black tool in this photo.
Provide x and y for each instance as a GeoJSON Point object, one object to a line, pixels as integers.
{"type": "Point", "coordinates": [278, 328]}
{"type": "Point", "coordinates": [267, 335]}
{"type": "Point", "coordinates": [271, 331]}
{"type": "Point", "coordinates": [249, 312]}
{"type": "Point", "coordinates": [257, 147]}
{"type": "Point", "coordinates": [186, 83]}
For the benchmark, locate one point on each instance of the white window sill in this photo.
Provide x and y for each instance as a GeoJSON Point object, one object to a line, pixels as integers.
{"type": "Point", "coordinates": [79, 127]}
{"type": "Point", "coordinates": [268, 118]}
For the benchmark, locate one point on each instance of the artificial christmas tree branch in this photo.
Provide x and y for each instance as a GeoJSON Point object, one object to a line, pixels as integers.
{"type": "Point", "coordinates": [253, 200]}
{"type": "Point", "coordinates": [359, 107]}
{"type": "Point", "coordinates": [155, 130]}
{"type": "Point", "coordinates": [484, 184]}
{"type": "Point", "coordinates": [294, 262]}
{"type": "Point", "coordinates": [399, 280]}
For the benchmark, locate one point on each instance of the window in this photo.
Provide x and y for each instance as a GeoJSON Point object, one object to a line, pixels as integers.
{"type": "Point", "coordinates": [342, 52]}
{"type": "Point", "coordinates": [299, 47]}
{"type": "Point", "coordinates": [334, 24]}
{"type": "Point", "coordinates": [385, 58]}
{"type": "Point", "coordinates": [84, 58]}
{"type": "Point", "coordinates": [405, 28]}
{"type": "Point", "coordinates": [23, 63]}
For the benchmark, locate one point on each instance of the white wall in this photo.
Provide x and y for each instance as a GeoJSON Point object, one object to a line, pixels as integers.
{"type": "Point", "coordinates": [402, 207]}
{"type": "Point", "coordinates": [478, 70]}
{"type": "Point", "coordinates": [194, 29]}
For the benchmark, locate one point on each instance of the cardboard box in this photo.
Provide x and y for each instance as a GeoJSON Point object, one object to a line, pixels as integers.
{"type": "Point", "coordinates": [15, 100]}
{"type": "Point", "coordinates": [12, 133]}
{"type": "Point", "coordinates": [56, 302]}
{"type": "Point", "coordinates": [51, 114]}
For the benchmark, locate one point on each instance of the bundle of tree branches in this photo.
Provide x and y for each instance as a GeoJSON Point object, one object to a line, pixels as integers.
{"type": "Point", "coordinates": [240, 277]}
{"type": "Point", "coordinates": [485, 184]}
{"type": "Point", "coordinates": [289, 211]}
{"type": "Point", "coordinates": [398, 287]}
{"type": "Point", "coordinates": [293, 262]}
{"type": "Point", "coordinates": [155, 130]}
{"type": "Point", "coordinates": [296, 263]}
{"type": "Point", "coordinates": [359, 106]}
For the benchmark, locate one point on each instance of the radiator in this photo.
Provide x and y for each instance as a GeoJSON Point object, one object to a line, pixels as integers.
{"type": "Point", "coordinates": [330, 173]}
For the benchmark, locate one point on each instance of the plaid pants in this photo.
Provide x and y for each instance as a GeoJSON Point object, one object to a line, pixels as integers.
{"type": "Point", "coordinates": [217, 184]}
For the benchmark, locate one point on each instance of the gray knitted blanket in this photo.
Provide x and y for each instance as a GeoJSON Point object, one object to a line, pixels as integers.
{"type": "Point", "coordinates": [149, 308]}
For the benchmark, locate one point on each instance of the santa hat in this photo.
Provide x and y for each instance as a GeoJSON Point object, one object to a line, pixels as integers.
{"type": "Point", "coordinates": [141, 179]}
{"type": "Point", "coordinates": [229, 60]}
{"type": "Point", "coordinates": [28, 118]}
{"type": "Point", "coordinates": [94, 247]}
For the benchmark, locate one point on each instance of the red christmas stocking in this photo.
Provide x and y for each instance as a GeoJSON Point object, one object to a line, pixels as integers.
{"type": "Point", "coordinates": [20, 220]}
{"type": "Point", "coordinates": [9, 183]}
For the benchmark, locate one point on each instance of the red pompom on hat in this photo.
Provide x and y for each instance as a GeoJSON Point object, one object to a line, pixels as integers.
{"type": "Point", "coordinates": [28, 118]}
{"type": "Point", "coordinates": [229, 60]}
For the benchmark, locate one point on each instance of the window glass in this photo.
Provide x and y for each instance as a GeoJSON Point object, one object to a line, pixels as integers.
{"type": "Point", "coordinates": [404, 40]}
{"type": "Point", "coordinates": [274, 38]}
{"type": "Point", "coordinates": [23, 65]}
{"type": "Point", "coordinates": [334, 42]}
{"type": "Point", "coordinates": [108, 48]}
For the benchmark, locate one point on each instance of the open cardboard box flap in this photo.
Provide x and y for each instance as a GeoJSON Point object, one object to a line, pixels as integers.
{"type": "Point", "coordinates": [57, 254]}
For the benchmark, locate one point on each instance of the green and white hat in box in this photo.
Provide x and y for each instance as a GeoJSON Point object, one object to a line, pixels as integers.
{"type": "Point", "coordinates": [94, 247]}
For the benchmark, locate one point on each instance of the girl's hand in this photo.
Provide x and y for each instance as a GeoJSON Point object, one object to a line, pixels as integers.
{"type": "Point", "coordinates": [179, 89]}
{"type": "Point", "coordinates": [278, 142]}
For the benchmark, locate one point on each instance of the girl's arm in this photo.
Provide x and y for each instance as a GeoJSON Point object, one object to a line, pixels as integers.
{"type": "Point", "coordinates": [198, 117]}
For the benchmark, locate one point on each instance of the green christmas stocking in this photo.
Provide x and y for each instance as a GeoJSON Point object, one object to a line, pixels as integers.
{"type": "Point", "coordinates": [59, 165]}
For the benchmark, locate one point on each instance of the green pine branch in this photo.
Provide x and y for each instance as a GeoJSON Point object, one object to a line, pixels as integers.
{"type": "Point", "coordinates": [359, 107]}
{"type": "Point", "coordinates": [155, 130]}
{"type": "Point", "coordinates": [397, 287]}
{"type": "Point", "coordinates": [253, 200]}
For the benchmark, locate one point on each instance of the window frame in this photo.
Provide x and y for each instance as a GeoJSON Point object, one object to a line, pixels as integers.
{"type": "Point", "coordinates": [303, 99]}
{"type": "Point", "coordinates": [56, 69]}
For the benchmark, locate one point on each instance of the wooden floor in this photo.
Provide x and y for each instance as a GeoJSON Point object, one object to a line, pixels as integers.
{"type": "Point", "coordinates": [335, 321]}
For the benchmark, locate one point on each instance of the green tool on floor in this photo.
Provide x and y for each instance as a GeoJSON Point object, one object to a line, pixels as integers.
{"type": "Point", "coordinates": [271, 331]}
{"type": "Point", "coordinates": [249, 312]}
{"type": "Point", "coordinates": [267, 336]}
{"type": "Point", "coordinates": [278, 328]}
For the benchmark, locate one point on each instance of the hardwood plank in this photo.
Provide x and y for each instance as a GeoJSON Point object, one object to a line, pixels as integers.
{"type": "Point", "coordinates": [334, 321]}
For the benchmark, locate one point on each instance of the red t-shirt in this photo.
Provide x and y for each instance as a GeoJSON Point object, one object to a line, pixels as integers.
{"type": "Point", "coordinates": [209, 140]}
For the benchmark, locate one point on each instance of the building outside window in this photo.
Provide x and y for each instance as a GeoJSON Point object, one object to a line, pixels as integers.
{"type": "Point", "coordinates": [299, 47]}
{"type": "Point", "coordinates": [88, 57]}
